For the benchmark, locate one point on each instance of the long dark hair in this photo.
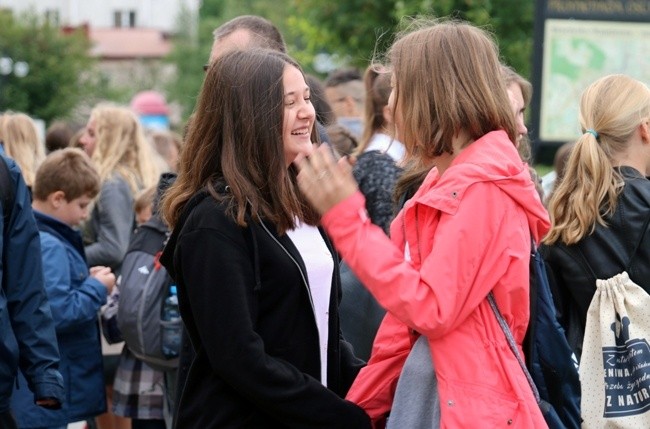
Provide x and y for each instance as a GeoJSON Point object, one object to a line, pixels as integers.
{"type": "Point", "coordinates": [235, 139]}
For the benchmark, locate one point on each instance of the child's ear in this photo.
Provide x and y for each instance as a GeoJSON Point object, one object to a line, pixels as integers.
{"type": "Point", "coordinates": [57, 199]}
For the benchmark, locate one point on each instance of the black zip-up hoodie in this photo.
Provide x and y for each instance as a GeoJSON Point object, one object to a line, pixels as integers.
{"type": "Point", "coordinates": [248, 313]}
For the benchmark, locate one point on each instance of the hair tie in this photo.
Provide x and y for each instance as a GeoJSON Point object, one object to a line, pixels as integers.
{"type": "Point", "coordinates": [592, 132]}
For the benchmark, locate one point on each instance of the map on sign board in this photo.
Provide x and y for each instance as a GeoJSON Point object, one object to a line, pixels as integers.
{"type": "Point", "coordinates": [576, 53]}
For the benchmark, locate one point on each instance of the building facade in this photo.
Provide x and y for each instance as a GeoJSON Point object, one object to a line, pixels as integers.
{"type": "Point", "coordinates": [130, 38]}
{"type": "Point", "coordinates": [161, 15]}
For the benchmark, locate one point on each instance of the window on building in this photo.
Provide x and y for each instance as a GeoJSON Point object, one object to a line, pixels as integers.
{"type": "Point", "coordinates": [124, 18]}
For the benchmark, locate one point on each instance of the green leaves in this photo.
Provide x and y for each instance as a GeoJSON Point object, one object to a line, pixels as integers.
{"type": "Point", "coordinates": [361, 28]}
{"type": "Point", "coordinates": [54, 84]}
{"type": "Point", "coordinates": [354, 31]}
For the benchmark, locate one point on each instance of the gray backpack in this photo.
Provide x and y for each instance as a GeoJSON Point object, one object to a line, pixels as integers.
{"type": "Point", "coordinates": [144, 285]}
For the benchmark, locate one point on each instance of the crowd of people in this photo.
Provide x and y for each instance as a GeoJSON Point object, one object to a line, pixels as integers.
{"type": "Point", "coordinates": [333, 244]}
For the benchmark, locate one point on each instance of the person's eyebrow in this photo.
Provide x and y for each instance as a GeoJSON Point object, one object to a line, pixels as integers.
{"type": "Point", "coordinates": [287, 94]}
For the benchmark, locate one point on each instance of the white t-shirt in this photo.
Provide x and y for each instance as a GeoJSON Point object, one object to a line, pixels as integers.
{"type": "Point", "coordinates": [320, 267]}
{"type": "Point", "coordinates": [386, 144]}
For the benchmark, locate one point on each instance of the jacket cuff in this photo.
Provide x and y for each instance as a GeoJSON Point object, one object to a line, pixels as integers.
{"type": "Point", "coordinates": [99, 289]}
{"type": "Point", "coordinates": [50, 385]}
{"type": "Point", "coordinates": [352, 207]}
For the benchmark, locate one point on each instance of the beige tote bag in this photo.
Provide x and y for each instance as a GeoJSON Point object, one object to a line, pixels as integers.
{"type": "Point", "coordinates": [615, 365]}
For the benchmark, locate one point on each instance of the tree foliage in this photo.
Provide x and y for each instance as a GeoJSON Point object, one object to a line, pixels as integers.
{"type": "Point", "coordinates": [354, 30]}
{"type": "Point", "coordinates": [55, 83]}
{"type": "Point", "coordinates": [363, 28]}
{"type": "Point", "coordinates": [190, 52]}
{"type": "Point", "coordinates": [192, 49]}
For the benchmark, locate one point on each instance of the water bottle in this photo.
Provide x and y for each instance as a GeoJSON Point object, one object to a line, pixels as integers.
{"type": "Point", "coordinates": [171, 325]}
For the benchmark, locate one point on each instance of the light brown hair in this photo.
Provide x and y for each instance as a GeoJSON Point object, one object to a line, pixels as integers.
{"type": "Point", "coordinates": [448, 79]}
{"type": "Point", "coordinates": [58, 136]}
{"type": "Point", "coordinates": [235, 139]}
{"type": "Point", "coordinates": [377, 83]}
{"type": "Point", "coordinates": [613, 107]}
{"type": "Point", "coordinates": [511, 77]}
{"type": "Point", "coordinates": [144, 198]}
{"type": "Point", "coordinates": [168, 145]}
{"type": "Point", "coordinates": [341, 139]}
{"type": "Point", "coordinates": [69, 170]}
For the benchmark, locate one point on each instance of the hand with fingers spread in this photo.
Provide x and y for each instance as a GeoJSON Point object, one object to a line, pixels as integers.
{"type": "Point", "coordinates": [324, 181]}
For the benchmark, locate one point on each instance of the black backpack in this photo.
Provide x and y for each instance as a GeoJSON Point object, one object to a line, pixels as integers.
{"type": "Point", "coordinates": [144, 285]}
{"type": "Point", "coordinates": [549, 358]}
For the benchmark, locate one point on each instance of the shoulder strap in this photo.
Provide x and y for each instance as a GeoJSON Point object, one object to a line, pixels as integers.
{"type": "Point", "coordinates": [512, 344]}
{"type": "Point", "coordinates": [506, 329]}
{"type": "Point", "coordinates": [533, 281]}
{"type": "Point", "coordinates": [7, 189]}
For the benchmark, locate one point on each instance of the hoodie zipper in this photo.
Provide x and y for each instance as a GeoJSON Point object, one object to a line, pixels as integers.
{"type": "Point", "coordinates": [304, 278]}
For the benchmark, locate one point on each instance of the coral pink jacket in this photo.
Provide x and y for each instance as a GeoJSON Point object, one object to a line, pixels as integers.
{"type": "Point", "coordinates": [467, 233]}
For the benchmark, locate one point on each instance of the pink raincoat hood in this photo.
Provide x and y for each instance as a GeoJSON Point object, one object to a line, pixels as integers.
{"type": "Point", "coordinates": [497, 164]}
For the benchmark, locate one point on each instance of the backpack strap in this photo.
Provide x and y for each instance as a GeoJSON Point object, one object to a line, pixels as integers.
{"type": "Point", "coordinates": [528, 343]}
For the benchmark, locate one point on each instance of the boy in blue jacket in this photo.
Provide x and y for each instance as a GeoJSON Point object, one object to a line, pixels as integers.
{"type": "Point", "coordinates": [64, 187]}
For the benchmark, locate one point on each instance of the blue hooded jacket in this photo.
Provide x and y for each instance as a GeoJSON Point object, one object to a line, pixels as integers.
{"type": "Point", "coordinates": [75, 300]}
{"type": "Point", "coordinates": [27, 335]}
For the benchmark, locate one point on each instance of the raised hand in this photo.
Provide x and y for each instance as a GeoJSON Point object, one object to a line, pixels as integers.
{"type": "Point", "coordinates": [324, 181]}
